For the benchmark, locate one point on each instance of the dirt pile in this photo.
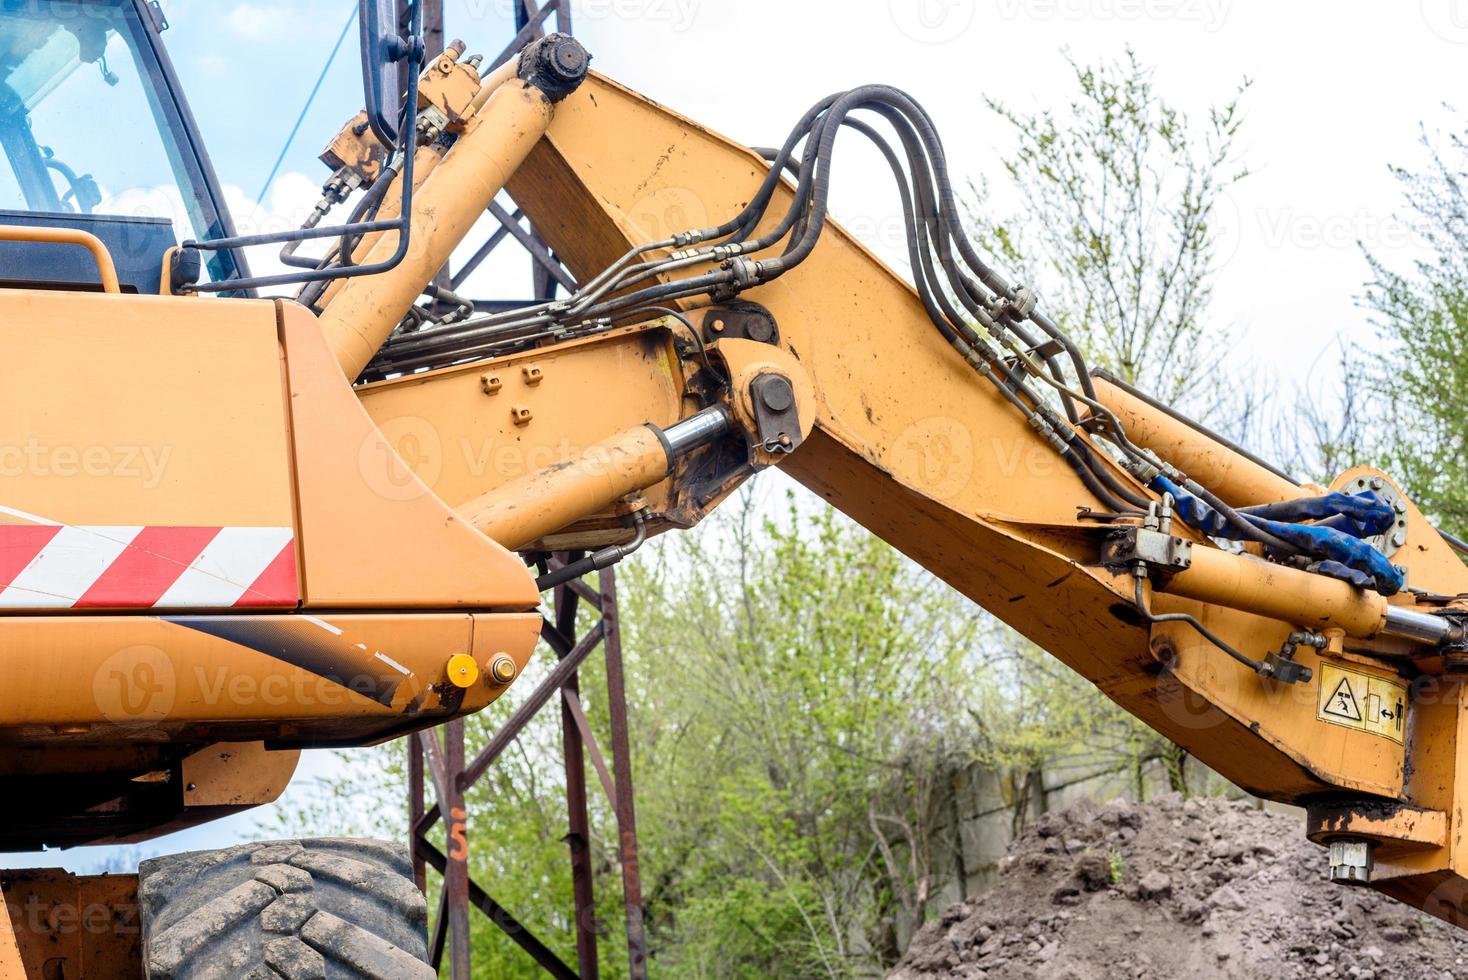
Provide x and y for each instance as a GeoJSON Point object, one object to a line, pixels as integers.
{"type": "Point", "coordinates": [1205, 889]}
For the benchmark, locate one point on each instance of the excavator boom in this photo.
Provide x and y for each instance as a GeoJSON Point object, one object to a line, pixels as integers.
{"type": "Point", "coordinates": [906, 439]}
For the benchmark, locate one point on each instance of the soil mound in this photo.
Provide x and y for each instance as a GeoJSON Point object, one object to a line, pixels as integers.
{"type": "Point", "coordinates": [1206, 889]}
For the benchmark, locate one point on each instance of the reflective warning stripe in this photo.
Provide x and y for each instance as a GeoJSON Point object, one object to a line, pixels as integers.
{"type": "Point", "coordinates": [63, 567]}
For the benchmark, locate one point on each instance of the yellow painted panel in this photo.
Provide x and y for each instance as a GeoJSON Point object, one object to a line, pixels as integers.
{"type": "Point", "coordinates": [140, 410]}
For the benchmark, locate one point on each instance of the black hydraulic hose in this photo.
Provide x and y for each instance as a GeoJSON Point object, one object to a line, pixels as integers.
{"type": "Point", "coordinates": [365, 209]}
{"type": "Point", "coordinates": [923, 124]}
{"type": "Point", "coordinates": [757, 205]}
{"type": "Point", "coordinates": [972, 300]}
{"type": "Point", "coordinates": [1196, 426]}
{"type": "Point", "coordinates": [662, 293]}
{"type": "Point", "coordinates": [1088, 477]}
{"type": "Point", "coordinates": [1096, 476]}
{"type": "Point", "coordinates": [1103, 472]}
{"type": "Point", "coordinates": [948, 209]}
{"type": "Point", "coordinates": [795, 215]}
{"type": "Point", "coordinates": [1084, 454]}
{"type": "Point", "coordinates": [681, 317]}
{"type": "Point", "coordinates": [1151, 617]}
{"type": "Point", "coordinates": [597, 560]}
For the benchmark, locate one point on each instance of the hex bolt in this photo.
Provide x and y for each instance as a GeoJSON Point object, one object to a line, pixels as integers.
{"type": "Point", "coordinates": [1377, 483]}
{"type": "Point", "coordinates": [1351, 860]}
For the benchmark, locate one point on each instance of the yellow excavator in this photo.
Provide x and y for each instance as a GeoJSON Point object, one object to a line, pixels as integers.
{"type": "Point", "coordinates": [234, 527]}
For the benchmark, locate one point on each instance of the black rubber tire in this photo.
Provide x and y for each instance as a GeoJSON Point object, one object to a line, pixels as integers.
{"type": "Point", "coordinates": [285, 910]}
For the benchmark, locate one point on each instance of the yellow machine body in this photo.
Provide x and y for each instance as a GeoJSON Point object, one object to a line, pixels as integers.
{"type": "Point", "coordinates": [205, 540]}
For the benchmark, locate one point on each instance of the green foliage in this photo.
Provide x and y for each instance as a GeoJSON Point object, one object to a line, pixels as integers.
{"type": "Point", "coordinates": [1116, 868]}
{"type": "Point", "coordinates": [824, 674]}
{"type": "Point", "coordinates": [1123, 206]}
{"type": "Point", "coordinates": [1422, 312]}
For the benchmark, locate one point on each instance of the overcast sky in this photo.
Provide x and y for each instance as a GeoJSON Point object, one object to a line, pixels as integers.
{"type": "Point", "coordinates": [1340, 90]}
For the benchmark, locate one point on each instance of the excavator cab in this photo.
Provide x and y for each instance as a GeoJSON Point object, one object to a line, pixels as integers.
{"type": "Point", "coordinates": [97, 137]}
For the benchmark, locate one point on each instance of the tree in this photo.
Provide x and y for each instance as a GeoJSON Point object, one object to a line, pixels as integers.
{"type": "Point", "coordinates": [1120, 229]}
{"type": "Point", "coordinates": [825, 675]}
{"type": "Point", "coordinates": [1421, 384]}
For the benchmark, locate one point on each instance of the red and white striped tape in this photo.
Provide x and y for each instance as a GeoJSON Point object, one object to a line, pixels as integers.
{"type": "Point", "coordinates": [58, 566]}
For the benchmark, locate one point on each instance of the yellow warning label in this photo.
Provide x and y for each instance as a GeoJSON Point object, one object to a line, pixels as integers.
{"type": "Point", "coordinates": [1362, 701]}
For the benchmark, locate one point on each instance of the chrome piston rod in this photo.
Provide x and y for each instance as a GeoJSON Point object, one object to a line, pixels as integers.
{"type": "Point", "coordinates": [1422, 627]}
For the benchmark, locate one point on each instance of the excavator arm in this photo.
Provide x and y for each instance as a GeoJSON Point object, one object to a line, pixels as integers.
{"type": "Point", "coordinates": [546, 448]}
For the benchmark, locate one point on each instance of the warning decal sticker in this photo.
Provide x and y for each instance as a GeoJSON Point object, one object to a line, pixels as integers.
{"type": "Point", "coordinates": [1362, 701]}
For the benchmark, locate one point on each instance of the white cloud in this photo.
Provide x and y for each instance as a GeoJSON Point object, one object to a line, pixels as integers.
{"type": "Point", "coordinates": [286, 207]}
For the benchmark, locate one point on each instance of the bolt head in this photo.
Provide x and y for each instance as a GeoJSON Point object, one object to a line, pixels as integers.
{"type": "Point", "coordinates": [569, 59]}
{"type": "Point", "coordinates": [1350, 861]}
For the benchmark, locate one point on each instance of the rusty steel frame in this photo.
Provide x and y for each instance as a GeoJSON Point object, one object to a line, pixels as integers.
{"type": "Point", "coordinates": [439, 762]}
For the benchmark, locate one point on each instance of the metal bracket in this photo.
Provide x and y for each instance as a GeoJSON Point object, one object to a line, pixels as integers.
{"type": "Point", "coordinates": [775, 413]}
{"type": "Point", "coordinates": [155, 12]}
{"type": "Point", "coordinates": [743, 321]}
{"type": "Point", "coordinates": [1159, 551]}
{"type": "Point", "coordinates": [1281, 664]}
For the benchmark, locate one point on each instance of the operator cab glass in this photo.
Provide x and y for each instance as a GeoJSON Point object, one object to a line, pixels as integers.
{"type": "Point", "coordinates": [95, 136]}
